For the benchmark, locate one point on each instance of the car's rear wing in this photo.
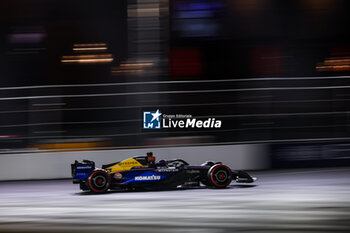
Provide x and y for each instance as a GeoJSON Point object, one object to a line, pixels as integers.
{"type": "Point", "coordinates": [82, 170]}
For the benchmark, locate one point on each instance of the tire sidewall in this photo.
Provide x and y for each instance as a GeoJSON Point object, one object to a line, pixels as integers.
{"type": "Point", "coordinates": [215, 170]}
{"type": "Point", "coordinates": [93, 187]}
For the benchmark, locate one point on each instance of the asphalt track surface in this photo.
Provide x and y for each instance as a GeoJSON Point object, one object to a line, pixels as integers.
{"type": "Point", "coordinates": [280, 201]}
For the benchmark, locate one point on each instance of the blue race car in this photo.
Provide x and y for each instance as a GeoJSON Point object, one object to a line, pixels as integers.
{"type": "Point", "coordinates": [145, 172]}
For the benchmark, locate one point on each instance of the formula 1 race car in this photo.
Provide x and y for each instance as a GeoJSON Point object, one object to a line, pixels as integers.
{"type": "Point", "coordinates": [144, 172]}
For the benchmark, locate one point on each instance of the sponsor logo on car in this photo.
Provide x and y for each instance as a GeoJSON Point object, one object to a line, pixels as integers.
{"type": "Point", "coordinates": [84, 167]}
{"type": "Point", "coordinates": [118, 176]}
{"type": "Point", "coordinates": [128, 163]}
{"type": "Point", "coordinates": [168, 170]}
{"type": "Point", "coordinates": [193, 171]}
{"type": "Point", "coordinates": [80, 174]}
{"type": "Point", "coordinates": [152, 177]}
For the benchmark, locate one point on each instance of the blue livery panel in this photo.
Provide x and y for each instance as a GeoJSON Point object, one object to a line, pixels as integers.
{"type": "Point", "coordinates": [83, 171]}
{"type": "Point", "coordinates": [144, 177]}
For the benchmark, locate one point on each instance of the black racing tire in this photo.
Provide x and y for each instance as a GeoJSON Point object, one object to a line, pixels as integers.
{"type": "Point", "coordinates": [219, 176]}
{"type": "Point", "coordinates": [99, 181]}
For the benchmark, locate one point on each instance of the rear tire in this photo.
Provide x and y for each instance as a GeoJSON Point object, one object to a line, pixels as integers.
{"type": "Point", "coordinates": [99, 181]}
{"type": "Point", "coordinates": [220, 176]}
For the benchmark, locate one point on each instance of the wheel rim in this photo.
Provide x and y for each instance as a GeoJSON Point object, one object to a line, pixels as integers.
{"type": "Point", "coordinates": [99, 181]}
{"type": "Point", "coordinates": [220, 176]}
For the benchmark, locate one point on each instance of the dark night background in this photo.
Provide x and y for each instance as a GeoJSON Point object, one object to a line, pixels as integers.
{"type": "Point", "coordinates": [77, 76]}
{"type": "Point", "coordinates": [276, 70]}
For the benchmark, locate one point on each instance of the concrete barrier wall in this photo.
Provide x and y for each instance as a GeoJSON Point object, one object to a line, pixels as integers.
{"type": "Point", "coordinates": [55, 165]}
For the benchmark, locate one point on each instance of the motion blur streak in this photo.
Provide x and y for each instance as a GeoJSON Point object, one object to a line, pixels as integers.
{"type": "Point", "coordinates": [90, 48]}
{"type": "Point", "coordinates": [290, 201]}
{"type": "Point", "coordinates": [97, 60]}
{"type": "Point", "coordinates": [336, 64]}
{"type": "Point", "coordinates": [77, 78]}
{"type": "Point", "coordinates": [244, 104]}
{"type": "Point", "coordinates": [94, 58]}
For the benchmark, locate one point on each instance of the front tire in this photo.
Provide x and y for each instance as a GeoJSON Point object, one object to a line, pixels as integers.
{"type": "Point", "coordinates": [99, 181]}
{"type": "Point", "coordinates": [220, 176]}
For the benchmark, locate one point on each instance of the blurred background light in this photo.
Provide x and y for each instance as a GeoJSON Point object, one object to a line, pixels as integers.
{"type": "Point", "coordinates": [262, 67]}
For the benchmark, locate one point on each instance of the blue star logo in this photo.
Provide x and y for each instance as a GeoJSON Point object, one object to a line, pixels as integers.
{"type": "Point", "coordinates": [151, 120]}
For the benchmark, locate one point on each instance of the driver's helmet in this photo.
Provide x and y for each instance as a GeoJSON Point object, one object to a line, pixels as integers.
{"type": "Point", "coordinates": [150, 157]}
